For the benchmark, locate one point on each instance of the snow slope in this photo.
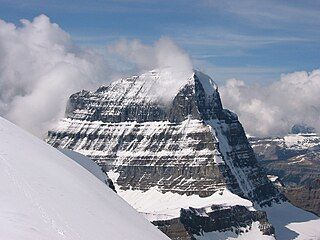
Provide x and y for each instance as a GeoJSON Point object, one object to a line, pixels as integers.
{"type": "Point", "coordinates": [87, 163]}
{"type": "Point", "coordinates": [291, 222]}
{"type": "Point", "coordinates": [46, 195]}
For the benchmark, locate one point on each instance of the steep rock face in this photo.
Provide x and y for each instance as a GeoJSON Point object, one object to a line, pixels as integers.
{"type": "Point", "coordinates": [169, 155]}
{"type": "Point", "coordinates": [191, 147]}
{"type": "Point", "coordinates": [295, 160]}
{"type": "Point", "coordinates": [126, 100]}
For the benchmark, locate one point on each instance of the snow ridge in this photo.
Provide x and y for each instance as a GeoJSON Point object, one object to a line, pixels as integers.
{"type": "Point", "coordinates": [46, 195]}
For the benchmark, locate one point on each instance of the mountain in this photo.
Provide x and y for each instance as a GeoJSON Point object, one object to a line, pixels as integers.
{"type": "Point", "coordinates": [302, 128]}
{"type": "Point", "coordinates": [185, 164]}
{"type": "Point", "coordinates": [47, 195]}
{"type": "Point", "coordinates": [294, 160]}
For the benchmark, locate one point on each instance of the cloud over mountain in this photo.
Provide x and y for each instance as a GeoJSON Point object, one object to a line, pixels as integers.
{"type": "Point", "coordinates": [163, 54]}
{"type": "Point", "coordinates": [41, 67]}
{"type": "Point", "coordinates": [273, 109]}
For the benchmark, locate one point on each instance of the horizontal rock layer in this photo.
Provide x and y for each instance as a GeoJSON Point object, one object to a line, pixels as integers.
{"type": "Point", "coordinates": [190, 145]}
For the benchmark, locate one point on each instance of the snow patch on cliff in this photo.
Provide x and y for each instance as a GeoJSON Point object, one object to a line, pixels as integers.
{"type": "Point", "coordinates": [156, 205]}
{"type": "Point", "coordinates": [301, 141]}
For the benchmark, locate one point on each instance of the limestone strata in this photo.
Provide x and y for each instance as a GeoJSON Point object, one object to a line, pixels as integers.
{"type": "Point", "coordinates": [188, 146]}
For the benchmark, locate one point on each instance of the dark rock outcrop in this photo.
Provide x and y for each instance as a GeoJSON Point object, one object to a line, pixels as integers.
{"type": "Point", "coordinates": [195, 222]}
{"type": "Point", "coordinates": [234, 218]}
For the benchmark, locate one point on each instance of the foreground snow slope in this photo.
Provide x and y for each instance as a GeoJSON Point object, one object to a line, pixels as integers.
{"type": "Point", "coordinates": [88, 164]}
{"type": "Point", "coordinates": [46, 195]}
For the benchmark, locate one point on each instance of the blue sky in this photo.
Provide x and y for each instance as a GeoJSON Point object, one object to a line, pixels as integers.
{"type": "Point", "coordinates": [248, 40]}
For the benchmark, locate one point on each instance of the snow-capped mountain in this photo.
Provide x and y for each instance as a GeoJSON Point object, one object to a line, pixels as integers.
{"type": "Point", "coordinates": [185, 164]}
{"type": "Point", "coordinates": [46, 195]}
{"type": "Point", "coordinates": [294, 160]}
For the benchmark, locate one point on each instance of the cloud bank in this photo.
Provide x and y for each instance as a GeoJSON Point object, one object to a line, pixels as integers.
{"type": "Point", "coordinates": [40, 67]}
{"type": "Point", "coordinates": [273, 109]}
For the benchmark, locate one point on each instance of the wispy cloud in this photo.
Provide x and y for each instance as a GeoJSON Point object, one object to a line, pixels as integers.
{"type": "Point", "coordinates": [223, 38]}
{"type": "Point", "coordinates": [249, 74]}
{"type": "Point", "coordinates": [86, 6]}
{"type": "Point", "coordinates": [272, 13]}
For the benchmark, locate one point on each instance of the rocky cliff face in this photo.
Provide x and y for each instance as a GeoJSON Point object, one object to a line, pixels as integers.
{"type": "Point", "coordinates": [193, 146]}
{"type": "Point", "coordinates": [166, 158]}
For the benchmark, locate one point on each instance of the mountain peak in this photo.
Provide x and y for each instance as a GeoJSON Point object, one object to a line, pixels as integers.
{"type": "Point", "coordinates": [207, 82]}
{"type": "Point", "coordinates": [155, 95]}
{"type": "Point", "coordinates": [190, 152]}
{"type": "Point", "coordinates": [163, 84]}
{"type": "Point", "coordinates": [195, 104]}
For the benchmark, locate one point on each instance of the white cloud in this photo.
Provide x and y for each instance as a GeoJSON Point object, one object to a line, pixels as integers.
{"type": "Point", "coordinates": [263, 109]}
{"type": "Point", "coordinates": [163, 54]}
{"type": "Point", "coordinates": [273, 109]}
{"type": "Point", "coordinates": [40, 67]}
